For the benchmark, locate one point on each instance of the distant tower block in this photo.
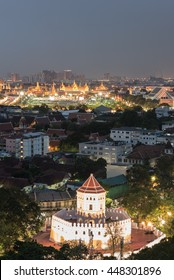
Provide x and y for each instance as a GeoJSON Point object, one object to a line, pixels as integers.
{"type": "Point", "coordinates": [67, 74]}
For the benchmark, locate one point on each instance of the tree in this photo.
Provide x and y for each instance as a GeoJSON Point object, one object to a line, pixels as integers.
{"type": "Point", "coordinates": [85, 166]}
{"type": "Point", "coordinates": [139, 176]}
{"type": "Point", "coordinates": [162, 251]}
{"type": "Point", "coordinates": [114, 233]}
{"type": "Point", "coordinates": [141, 202]}
{"type": "Point", "coordinates": [130, 118]}
{"type": "Point", "coordinates": [163, 216]}
{"type": "Point", "coordinates": [30, 250]}
{"type": "Point", "coordinates": [165, 171]}
{"type": "Point", "coordinates": [74, 251]}
{"type": "Point", "coordinates": [20, 217]}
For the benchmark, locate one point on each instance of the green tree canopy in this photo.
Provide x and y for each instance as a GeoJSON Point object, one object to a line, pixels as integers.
{"type": "Point", "coordinates": [165, 172]}
{"type": "Point", "coordinates": [20, 217]}
{"type": "Point", "coordinates": [74, 251]}
{"type": "Point", "coordinates": [141, 202]}
{"type": "Point", "coordinates": [139, 176]}
{"type": "Point", "coordinates": [84, 166]}
{"type": "Point", "coordinates": [30, 250]}
{"type": "Point", "coordinates": [162, 251]}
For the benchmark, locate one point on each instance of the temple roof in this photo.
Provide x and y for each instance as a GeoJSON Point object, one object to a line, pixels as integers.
{"type": "Point", "coordinates": [91, 185]}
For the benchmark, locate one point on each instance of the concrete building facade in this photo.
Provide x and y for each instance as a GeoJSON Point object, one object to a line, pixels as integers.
{"type": "Point", "coordinates": [108, 150]}
{"type": "Point", "coordinates": [28, 144]}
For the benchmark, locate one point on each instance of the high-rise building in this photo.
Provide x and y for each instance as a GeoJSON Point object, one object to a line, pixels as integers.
{"type": "Point", "coordinates": [67, 74]}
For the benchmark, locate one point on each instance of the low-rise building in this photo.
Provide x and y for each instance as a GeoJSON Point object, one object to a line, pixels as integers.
{"type": "Point", "coordinates": [162, 111]}
{"type": "Point", "coordinates": [145, 153]}
{"type": "Point", "coordinates": [126, 134]}
{"type": "Point", "coordinates": [108, 150]}
{"type": "Point", "coordinates": [134, 135]}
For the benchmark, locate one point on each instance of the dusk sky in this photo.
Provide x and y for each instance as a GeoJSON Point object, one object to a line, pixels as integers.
{"type": "Point", "coordinates": [124, 37]}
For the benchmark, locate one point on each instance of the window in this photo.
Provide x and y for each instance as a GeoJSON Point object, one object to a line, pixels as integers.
{"type": "Point", "coordinates": [90, 207]}
{"type": "Point", "coordinates": [83, 232]}
{"type": "Point", "coordinates": [99, 233]}
{"type": "Point", "coordinates": [76, 232]}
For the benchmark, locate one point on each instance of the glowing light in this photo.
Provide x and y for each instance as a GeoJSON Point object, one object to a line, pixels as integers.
{"type": "Point", "coordinates": [149, 224]}
{"type": "Point", "coordinates": [51, 98]}
{"type": "Point", "coordinates": [81, 98]}
{"type": "Point", "coordinates": [169, 213]}
{"type": "Point", "coordinates": [21, 93]}
{"type": "Point", "coordinates": [163, 222]}
{"type": "Point", "coordinates": [153, 178]}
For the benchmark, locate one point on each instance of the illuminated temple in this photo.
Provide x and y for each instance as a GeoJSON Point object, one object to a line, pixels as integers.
{"type": "Point", "coordinates": [100, 88]}
{"type": "Point", "coordinates": [74, 87]}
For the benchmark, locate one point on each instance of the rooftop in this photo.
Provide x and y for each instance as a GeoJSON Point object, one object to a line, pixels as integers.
{"type": "Point", "coordinates": [91, 185]}
{"type": "Point", "coordinates": [111, 215]}
{"type": "Point", "coordinates": [105, 143]}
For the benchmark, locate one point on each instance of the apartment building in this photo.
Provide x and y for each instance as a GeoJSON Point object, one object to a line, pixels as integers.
{"type": "Point", "coordinates": [108, 150]}
{"type": "Point", "coordinates": [126, 134]}
{"type": "Point", "coordinates": [28, 144]}
{"type": "Point", "coordinates": [134, 135]}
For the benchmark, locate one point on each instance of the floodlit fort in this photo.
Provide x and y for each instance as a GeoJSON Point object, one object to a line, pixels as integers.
{"type": "Point", "coordinates": [91, 220]}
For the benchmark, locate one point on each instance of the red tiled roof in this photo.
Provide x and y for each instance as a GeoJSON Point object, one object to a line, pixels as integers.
{"type": "Point", "coordinates": [146, 152]}
{"type": "Point", "coordinates": [91, 185]}
{"type": "Point", "coordinates": [4, 127]}
{"type": "Point", "coordinates": [81, 116]}
{"type": "Point", "coordinates": [57, 132]}
{"type": "Point", "coordinates": [42, 120]}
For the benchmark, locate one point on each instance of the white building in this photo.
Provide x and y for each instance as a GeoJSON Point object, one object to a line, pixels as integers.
{"type": "Point", "coordinates": [91, 220]}
{"type": "Point", "coordinates": [28, 144]}
{"type": "Point", "coordinates": [108, 150]}
{"type": "Point", "coordinates": [167, 125]}
{"type": "Point", "coordinates": [126, 134]}
{"type": "Point", "coordinates": [162, 111]}
{"type": "Point", "coordinates": [134, 135]}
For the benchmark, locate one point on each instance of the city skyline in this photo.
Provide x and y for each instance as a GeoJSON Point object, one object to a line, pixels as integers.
{"type": "Point", "coordinates": [90, 37]}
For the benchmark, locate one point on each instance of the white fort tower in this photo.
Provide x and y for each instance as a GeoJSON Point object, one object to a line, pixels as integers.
{"type": "Point", "coordinates": [91, 219]}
